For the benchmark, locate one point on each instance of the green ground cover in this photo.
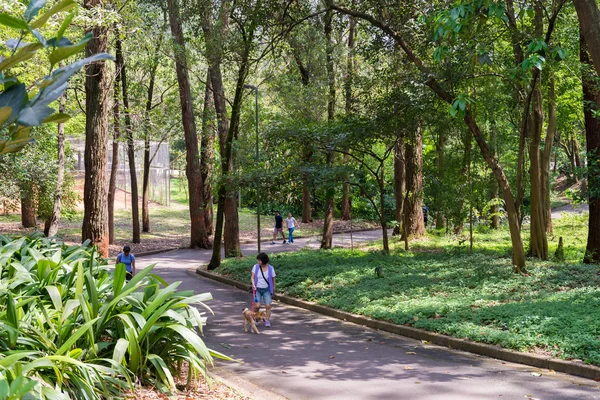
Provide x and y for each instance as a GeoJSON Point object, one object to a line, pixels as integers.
{"type": "Point", "coordinates": [440, 287]}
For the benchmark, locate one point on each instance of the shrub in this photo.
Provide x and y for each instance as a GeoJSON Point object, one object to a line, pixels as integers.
{"type": "Point", "coordinates": [71, 329]}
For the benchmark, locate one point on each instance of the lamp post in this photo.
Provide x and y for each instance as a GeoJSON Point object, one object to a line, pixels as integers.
{"type": "Point", "coordinates": [255, 89]}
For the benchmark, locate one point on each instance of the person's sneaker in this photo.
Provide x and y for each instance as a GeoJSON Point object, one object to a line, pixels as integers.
{"type": "Point", "coordinates": [272, 242]}
{"type": "Point", "coordinates": [267, 323]}
{"type": "Point", "coordinates": [284, 242]}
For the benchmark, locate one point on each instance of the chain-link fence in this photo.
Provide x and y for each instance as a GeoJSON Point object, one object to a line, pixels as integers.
{"type": "Point", "coordinates": [158, 178]}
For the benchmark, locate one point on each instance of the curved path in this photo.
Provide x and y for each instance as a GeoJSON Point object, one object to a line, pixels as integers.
{"type": "Point", "coordinates": [308, 356]}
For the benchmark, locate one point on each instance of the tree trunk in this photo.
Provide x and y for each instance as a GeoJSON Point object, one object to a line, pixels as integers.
{"type": "Point", "coordinates": [381, 182]}
{"type": "Point", "coordinates": [112, 184]}
{"type": "Point", "coordinates": [345, 208]}
{"type": "Point", "coordinates": [147, 159]}
{"type": "Point", "coordinates": [413, 207]}
{"type": "Point", "coordinates": [495, 209]}
{"type": "Point", "coordinates": [439, 198]}
{"type": "Point", "coordinates": [28, 219]}
{"type": "Point", "coordinates": [60, 177]}
{"type": "Point", "coordinates": [306, 206]}
{"type": "Point", "coordinates": [198, 234]}
{"type": "Point", "coordinates": [95, 217]}
{"type": "Point", "coordinates": [327, 239]}
{"type": "Point", "coordinates": [547, 152]}
{"type": "Point", "coordinates": [135, 207]}
{"type": "Point", "coordinates": [537, 240]}
{"type": "Point", "coordinates": [589, 22]}
{"type": "Point", "coordinates": [591, 102]}
{"type": "Point", "coordinates": [399, 183]}
{"type": "Point", "coordinates": [207, 152]}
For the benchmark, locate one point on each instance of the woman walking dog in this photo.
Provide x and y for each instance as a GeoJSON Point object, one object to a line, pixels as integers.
{"type": "Point", "coordinates": [263, 285]}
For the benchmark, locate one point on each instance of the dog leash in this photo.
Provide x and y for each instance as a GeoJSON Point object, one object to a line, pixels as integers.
{"type": "Point", "coordinates": [253, 297]}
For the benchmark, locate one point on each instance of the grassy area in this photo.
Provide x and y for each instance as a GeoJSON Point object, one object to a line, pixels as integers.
{"type": "Point", "coordinates": [440, 287]}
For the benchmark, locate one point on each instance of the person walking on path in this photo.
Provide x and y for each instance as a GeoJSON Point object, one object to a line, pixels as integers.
{"type": "Point", "coordinates": [129, 260]}
{"type": "Point", "coordinates": [263, 284]}
{"type": "Point", "coordinates": [291, 225]}
{"type": "Point", "coordinates": [278, 227]}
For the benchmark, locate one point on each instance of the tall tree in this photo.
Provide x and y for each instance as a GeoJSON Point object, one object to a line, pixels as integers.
{"type": "Point", "coordinates": [95, 216]}
{"type": "Point", "coordinates": [198, 234]}
{"type": "Point", "coordinates": [207, 151]}
{"type": "Point", "coordinates": [447, 96]}
{"type": "Point", "coordinates": [60, 175]}
{"type": "Point", "coordinates": [327, 239]}
{"type": "Point", "coordinates": [348, 82]}
{"type": "Point", "coordinates": [147, 157]}
{"type": "Point", "coordinates": [135, 204]}
{"type": "Point", "coordinates": [591, 105]}
{"type": "Point", "coordinates": [112, 183]}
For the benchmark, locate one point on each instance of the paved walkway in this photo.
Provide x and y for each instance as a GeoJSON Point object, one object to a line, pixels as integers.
{"type": "Point", "coordinates": [308, 356]}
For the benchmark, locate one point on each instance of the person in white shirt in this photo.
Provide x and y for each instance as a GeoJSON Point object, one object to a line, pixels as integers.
{"type": "Point", "coordinates": [291, 225]}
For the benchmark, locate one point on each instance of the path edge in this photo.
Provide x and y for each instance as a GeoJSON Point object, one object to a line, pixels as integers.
{"type": "Point", "coordinates": [488, 350]}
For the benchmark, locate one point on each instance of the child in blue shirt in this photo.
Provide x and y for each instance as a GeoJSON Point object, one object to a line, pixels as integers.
{"type": "Point", "coordinates": [129, 260]}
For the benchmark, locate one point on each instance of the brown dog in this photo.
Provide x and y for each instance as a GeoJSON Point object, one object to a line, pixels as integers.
{"type": "Point", "coordinates": [251, 317]}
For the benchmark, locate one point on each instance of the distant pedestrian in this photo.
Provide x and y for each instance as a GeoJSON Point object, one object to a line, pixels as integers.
{"type": "Point", "coordinates": [263, 285]}
{"type": "Point", "coordinates": [425, 214]}
{"type": "Point", "coordinates": [278, 227]}
{"type": "Point", "coordinates": [129, 260]}
{"type": "Point", "coordinates": [291, 225]}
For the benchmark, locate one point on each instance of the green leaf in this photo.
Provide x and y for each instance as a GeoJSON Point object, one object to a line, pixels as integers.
{"type": "Point", "coordinates": [120, 350]}
{"type": "Point", "coordinates": [65, 24]}
{"type": "Point", "coordinates": [57, 118]}
{"type": "Point", "coordinates": [34, 116]}
{"type": "Point", "coordinates": [5, 113]}
{"type": "Point", "coordinates": [59, 7]}
{"type": "Point", "coordinates": [193, 339]}
{"type": "Point", "coordinates": [13, 22]}
{"type": "Point", "coordinates": [62, 53]}
{"type": "Point", "coordinates": [14, 357]}
{"type": "Point", "coordinates": [75, 336]}
{"type": "Point", "coordinates": [55, 297]}
{"type": "Point", "coordinates": [33, 8]}
{"type": "Point", "coordinates": [24, 54]}
{"type": "Point", "coordinates": [13, 97]}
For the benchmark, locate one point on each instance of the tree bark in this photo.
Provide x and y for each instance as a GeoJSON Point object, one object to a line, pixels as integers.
{"type": "Point", "coordinates": [439, 199]}
{"type": "Point", "coordinates": [591, 103]}
{"type": "Point", "coordinates": [345, 207]}
{"type": "Point", "coordinates": [413, 206]}
{"type": "Point", "coordinates": [306, 206]}
{"type": "Point", "coordinates": [207, 154]}
{"type": "Point", "coordinates": [135, 204]}
{"type": "Point", "coordinates": [399, 183]}
{"type": "Point", "coordinates": [589, 22]}
{"type": "Point", "coordinates": [112, 185]}
{"type": "Point", "coordinates": [147, 158]}
{"type": "Point", "coordinates": [538, 241]}
{"type": "Point", "coordinates": [198, 234]}
{"type": "Point", "coordinates": [327, 239]}
{"type": "Point", "coordinates": [28, 218]}
{"type": "Point", "coordinates": [60, 176]}
{"type": "Point", "coordinates": [95, 217]}
{"type": "Point", "coordinates": [547, 152]}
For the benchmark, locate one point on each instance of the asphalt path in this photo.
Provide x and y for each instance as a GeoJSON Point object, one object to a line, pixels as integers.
{"type": "Point", "coordinates": [305, 355]}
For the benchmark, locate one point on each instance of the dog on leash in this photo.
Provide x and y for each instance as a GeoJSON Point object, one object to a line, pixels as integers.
{"type": "Point", "coordinates": [251, 318]}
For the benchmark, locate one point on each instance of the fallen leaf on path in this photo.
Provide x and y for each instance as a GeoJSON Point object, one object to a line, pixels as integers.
{"type": "Point", "coordinates": [536, 374]}
{"type": "Point", "coordinates": [407, 367]}
{"type": "Point", "coordinates": [417, 383]}
{"type": "Point", "coordinates": [227, 346]}
{"type": "Point", "coordinates": [283, 372]}
{"type": "Point", "coordinates": [331, 356]}
{"type": "Point", "coordinates": [410, 352]}
{"type": "Point", "coordinates": [246, 347]}
{"type": "Point", "coordinates": [425, 342]}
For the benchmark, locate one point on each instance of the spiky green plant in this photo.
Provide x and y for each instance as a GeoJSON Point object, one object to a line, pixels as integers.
{"type": "Point", "coordinates": [69, 328]}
